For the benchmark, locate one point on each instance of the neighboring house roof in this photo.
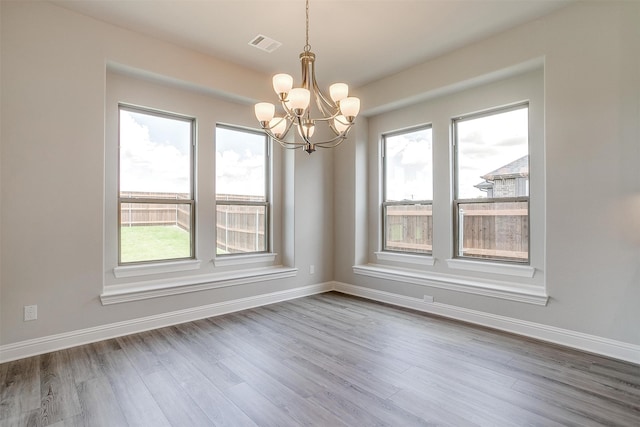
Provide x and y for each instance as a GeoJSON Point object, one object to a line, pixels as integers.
{"type": "Point", "coordinates": [517, 168]}
{"type": "Point", "coordinates": [484, 185]}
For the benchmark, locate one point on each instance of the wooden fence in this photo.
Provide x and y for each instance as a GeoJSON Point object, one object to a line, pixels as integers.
{"type": "Point", "coordinates": [240, 229]}
{"type": "Point", "coordinates": [409, 228]}
{"type": "Point", "coordinates": [495, 230]}
{"type": "Point", "coordinates": [134, 214]}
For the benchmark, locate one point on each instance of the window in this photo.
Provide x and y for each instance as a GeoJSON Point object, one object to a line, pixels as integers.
{"type": "Point", "coordinates": [156, 207]}
{"type": "Point", "coordinates": [242, 190]}
{"type": "Point", "coordinates": [491, 201]}
{"type": "Point", "coordinates": [408, 191]}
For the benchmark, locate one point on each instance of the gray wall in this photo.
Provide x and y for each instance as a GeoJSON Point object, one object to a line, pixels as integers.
{"type": "Point", "coordinates": [53, 132]}
{"type": "Point", "coordinates": [591, 134]}
{"type": "Point", "coordinates": [54, 67]}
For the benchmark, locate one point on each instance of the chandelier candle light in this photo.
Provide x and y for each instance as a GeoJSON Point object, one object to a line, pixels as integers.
{"type": "Point", "coordinates": [338, 112]}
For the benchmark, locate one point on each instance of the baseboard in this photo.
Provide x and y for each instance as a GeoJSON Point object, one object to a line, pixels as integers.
{"type": "Point", "coordinates": [590, 343]}
{"type": "Point", "coordinates": [51, 343]}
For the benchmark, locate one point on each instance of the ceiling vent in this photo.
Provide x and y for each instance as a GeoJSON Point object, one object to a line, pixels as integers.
{"type": "Point", "coordinates": [265, 43]}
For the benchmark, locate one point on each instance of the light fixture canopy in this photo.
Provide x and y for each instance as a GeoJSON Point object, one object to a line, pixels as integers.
{"type": "Point", "coordinates": [338, 111]}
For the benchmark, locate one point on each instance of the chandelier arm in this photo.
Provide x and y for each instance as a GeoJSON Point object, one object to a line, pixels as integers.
{"type": "Point", "coordinates": [336, 131]}
{"type": "Point", "coordinates": [339, 138]}
{"type": "Point", "coordinates": [305, 138]}
{"type": "Point", "coordinates": [325, 119]}
{"type": "Point", "coordinates": [321, 100]}
{"type": "Point", "coordinates": [330, 145]}
{"type": "Point", "coordinates": [282, 142]}
{"type": "Point", "coordinates": [333, 128]}
{"type": "Point", "coordinates": [269, 129]}
{"type": "Point", "coordinates": [290, 146]}
{"type": "Point", "coordinates": [289, 114]}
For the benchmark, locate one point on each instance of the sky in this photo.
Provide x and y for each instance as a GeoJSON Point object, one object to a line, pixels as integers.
{"type": "Point", "coordinates": [487, 143]}
{"type": "Point", "coordinates": [155, 155]}
{"type": "Point", "coordinates": [409, 166]}
{"type": "Point", "coordinates": [240, 162]}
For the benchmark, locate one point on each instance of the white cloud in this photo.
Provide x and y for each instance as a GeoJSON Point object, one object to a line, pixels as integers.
{"type": "Point", "coordinates": [240, 162]}
{"type": "Point", "coordinates": [151, 166]}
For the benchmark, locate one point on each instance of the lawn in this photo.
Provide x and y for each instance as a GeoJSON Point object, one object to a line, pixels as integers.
{"type": "Point", "coordinates": [157, 242]}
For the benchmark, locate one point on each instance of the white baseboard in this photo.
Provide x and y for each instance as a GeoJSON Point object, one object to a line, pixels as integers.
{"type": "Point", "coordinates": [50, 343]}
{"type": "Point", "coordinates": [591, 343]}
{"type": "Point", "coordinates": [578, 340]}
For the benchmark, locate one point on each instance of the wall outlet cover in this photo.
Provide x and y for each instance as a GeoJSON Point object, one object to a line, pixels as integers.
{"type": "Point", "coordinates": [30, 312]}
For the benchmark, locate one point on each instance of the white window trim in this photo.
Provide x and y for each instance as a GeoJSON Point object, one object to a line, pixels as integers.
{"type": "Point", "coordinates": [140, 281]}
{"type": "Point", "coordinates": [520, 292]}
{"type": "Point", "coordinates": [405, 258]}
{"type": "Point", "coordinates": [492, 278]}
{"type": "Point", "coordinates": [146, 289]}
{"type": "Point", "coordinates": [155, 268]}
{"type": "Point", "coordinates": [491, 267]}
{"type": "Point", "coordinates": [244, 259]}
{"type": "Point", "coordinates": [384, 202]}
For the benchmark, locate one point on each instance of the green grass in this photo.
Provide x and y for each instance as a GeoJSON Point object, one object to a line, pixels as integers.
{"type": "Point", "coordinates": [156, 242]}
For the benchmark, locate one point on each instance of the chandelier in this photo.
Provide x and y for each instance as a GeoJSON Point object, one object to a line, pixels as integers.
{"type": "Point", "coordinates": [338, 112]}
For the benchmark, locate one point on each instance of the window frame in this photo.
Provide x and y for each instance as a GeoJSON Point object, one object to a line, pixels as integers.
{"type": "Point", "coordinates": [385, 203]}
{"type": "Point", "coordinates": [133, 200]}
{"type": "Point", "coordinates": [456, 202]}
{"type": "Point", "coordinates": [267, 194]}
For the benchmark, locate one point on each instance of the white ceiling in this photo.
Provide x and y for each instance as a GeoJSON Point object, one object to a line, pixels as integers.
{"type": "Point", "coordinates": [355, 41]}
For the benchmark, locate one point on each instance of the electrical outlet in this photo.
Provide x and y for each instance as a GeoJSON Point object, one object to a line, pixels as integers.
{"type": "Point", "coordinates": [312, 269]}
{"type": "Point", "coordinates": [428, 298]}
{"type": "Point", "coordinates": [30, 312]}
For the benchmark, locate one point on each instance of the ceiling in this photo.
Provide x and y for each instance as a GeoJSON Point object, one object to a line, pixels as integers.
{"type": "Point", "coordinates": [355, 41]}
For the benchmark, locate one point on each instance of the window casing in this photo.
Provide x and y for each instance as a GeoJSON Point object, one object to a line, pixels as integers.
{"type": "Point", "coordinates": [407, 224]}
{"type": "Point", "coordinates": [491, 185]}
{"type": "Point", "coordinates": [156, 205]}
{"type": "Point", "coordinates": [242, 191]}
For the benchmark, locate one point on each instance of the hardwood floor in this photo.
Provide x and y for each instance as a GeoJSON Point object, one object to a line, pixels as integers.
{"type": "Point", "coordinates": [325, 360]}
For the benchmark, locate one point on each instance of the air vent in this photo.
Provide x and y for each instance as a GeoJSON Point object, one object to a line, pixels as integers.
{"type": "Point", "coordinates": [265, 43]}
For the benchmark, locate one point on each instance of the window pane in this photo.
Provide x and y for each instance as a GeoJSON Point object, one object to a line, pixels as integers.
{"type": "Point", "coordinates": [492, 155]}
{"type": "Point", "coordinates": [408, 166]}
{"type": "Point", "coordinates": [155, 154]}
{"type": "Point", "coordinates": [154, 231]}
{"type": "Point", "coordinates": [240, 165]}
{"type": "Point", "coordinates": [240, 229]}
{"type": "Point", "coordinates": [408, 228]}
{"type": "Point", "coordinates": [494, 230]}
{"type": "Point", "coordinates": [155, 163]}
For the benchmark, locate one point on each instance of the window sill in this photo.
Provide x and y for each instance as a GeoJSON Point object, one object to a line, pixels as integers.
{"type": "Point", "coordinates": [491, 267]}
{"type": "Point", "coordinates": [242, 259]}
{"type": "Point", "coordinates": [147, 289]}
{"type": "Point", "coordinates": [427, 260]}
{"type": "Point", "coordinates": [492, 288]}
{"type": "Point", "coordinates": [155, 268]}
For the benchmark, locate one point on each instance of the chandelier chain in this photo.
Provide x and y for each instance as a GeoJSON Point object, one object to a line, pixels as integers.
{"type": "Point", "coordinates": [307, 46]}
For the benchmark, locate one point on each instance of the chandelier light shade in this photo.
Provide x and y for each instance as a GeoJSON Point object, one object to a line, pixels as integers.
{"type": "Point", "coordinates": [336, 112]}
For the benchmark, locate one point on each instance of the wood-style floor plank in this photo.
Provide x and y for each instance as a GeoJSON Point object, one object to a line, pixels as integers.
{"type": "Point", "coordinates": [58, 392]}
{"type": "Point", "coordinates": [20, 387]}
{"type": "Point", "coordinates": [136, 401]}
{"type": "Point", "coordinates": [173, 400]}
{"type": "Point", "coordinates": [99, 405]}
{"type": "Point", "coordinates": [326, 360]}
